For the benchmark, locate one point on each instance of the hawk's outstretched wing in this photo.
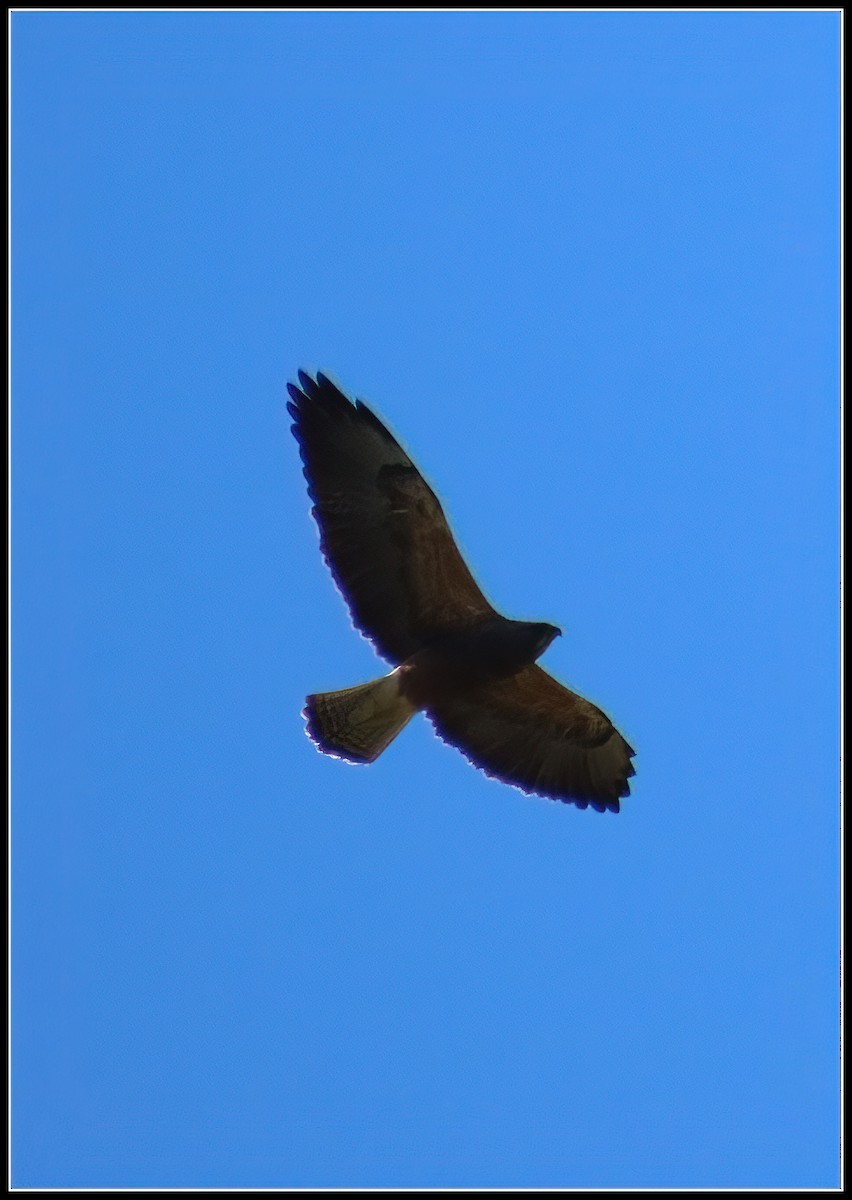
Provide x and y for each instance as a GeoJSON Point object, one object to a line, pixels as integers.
{"type": "Point", "coordinates": [532, 732]}
{"type": "Point", "coordinates": [382, 531]}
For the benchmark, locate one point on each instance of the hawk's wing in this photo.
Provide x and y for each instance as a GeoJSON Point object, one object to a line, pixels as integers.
{"type": "Point", "coordinates": [382, 531]}
{"type": "Point", "coordinates": [532, 732]}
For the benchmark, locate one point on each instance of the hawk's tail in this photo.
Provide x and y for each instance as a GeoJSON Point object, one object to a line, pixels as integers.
{"type": "Point", "coordinates": [358, 723]}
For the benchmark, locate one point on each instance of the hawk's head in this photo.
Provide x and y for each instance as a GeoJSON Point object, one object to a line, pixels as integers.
{"type": "Point", "coordinates": [543, 634]}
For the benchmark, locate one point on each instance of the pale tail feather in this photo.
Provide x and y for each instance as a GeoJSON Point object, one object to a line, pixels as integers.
{"type": "Point", "coordinates": [358, 723]}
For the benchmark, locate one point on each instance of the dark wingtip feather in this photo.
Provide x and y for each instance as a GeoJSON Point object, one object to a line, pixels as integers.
{"type": "Point", "coordinates": [322, 393]}
{"type": "Point", "coordinates": [323, 397]}
{"type": "Point", "coordinates": [308, 385]}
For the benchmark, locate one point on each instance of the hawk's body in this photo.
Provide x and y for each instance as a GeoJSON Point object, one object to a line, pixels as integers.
{"type": "Point", "coordinates": [473, 672]}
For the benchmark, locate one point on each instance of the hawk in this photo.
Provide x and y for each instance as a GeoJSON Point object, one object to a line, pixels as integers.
{"type": "Point", "coordinates": [472, 671]}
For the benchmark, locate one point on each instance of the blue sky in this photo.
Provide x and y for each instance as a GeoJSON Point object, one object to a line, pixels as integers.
{"type": "Point", "coordinates": [586, 266]}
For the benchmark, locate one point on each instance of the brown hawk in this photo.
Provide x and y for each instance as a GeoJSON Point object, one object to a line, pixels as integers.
{"type": "Point", "coordinates": [472, 671]}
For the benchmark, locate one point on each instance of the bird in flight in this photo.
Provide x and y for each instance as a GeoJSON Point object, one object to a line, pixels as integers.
{"type": "Point", "coordinates": [472, 671]}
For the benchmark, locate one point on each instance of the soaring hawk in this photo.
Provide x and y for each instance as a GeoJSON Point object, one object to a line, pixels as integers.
{"type": "Point", "coordinates": [472, 671]}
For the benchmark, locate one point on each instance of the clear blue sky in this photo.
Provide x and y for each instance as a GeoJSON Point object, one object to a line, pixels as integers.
{"type": "Point", "coordinates": [586, 266]}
